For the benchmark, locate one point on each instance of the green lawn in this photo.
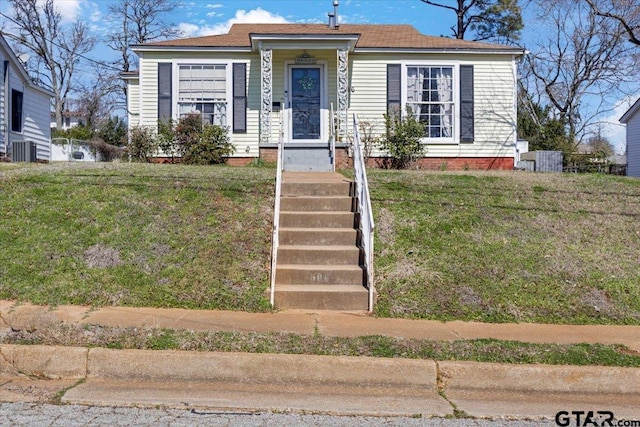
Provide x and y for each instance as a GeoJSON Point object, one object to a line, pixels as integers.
{"type": "Point", "coordinates": [496, 247]}
{"type": "Point", "coordinates": [136, 235]}
{"type": "Point", "coordinates": [505, 247]}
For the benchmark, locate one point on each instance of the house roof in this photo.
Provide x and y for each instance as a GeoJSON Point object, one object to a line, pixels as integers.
{"type": "Point", "coordinates": [368, 37]}
{"type": "Point", "coordinates": [21, 70]}
{"type": "Point", "coordinates": [630, 112]}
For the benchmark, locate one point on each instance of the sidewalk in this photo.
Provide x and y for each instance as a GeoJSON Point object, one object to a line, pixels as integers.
{"type": "Point", "coordinates": [342, 385]}
{"type": "Point", "coordinates": [328, 323]}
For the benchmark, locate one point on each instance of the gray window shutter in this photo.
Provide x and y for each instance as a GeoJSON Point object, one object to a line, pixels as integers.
{"type": "Point", "coordinates": [466, 103]}
{"type": "Point", "coordinates": [393, 88]}
{"type": "Point", "coordinates": [164, 91]}
{"type": "Point", "coordinates": [239, 98]}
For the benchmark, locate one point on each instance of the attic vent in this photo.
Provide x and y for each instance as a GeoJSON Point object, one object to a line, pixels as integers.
{"type": "Point", "coordinates": [333, 17]}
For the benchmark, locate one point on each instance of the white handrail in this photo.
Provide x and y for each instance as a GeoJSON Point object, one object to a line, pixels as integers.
{"type": "Point", "coordinates": [364, 208]}
{"type": "Point", "coordinates": [275, 241]}
{"type": "Point", "coordinates": [332, 138]}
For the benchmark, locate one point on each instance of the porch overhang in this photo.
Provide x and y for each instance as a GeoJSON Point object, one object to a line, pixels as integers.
{"type": "Point", "coordinates": [304, 41]}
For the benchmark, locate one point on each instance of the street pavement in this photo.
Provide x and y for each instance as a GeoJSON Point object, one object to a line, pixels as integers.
{"type": "Point", "coordinates": [36, 415]}
{"type": "Point", "coordinates": [302, 384]}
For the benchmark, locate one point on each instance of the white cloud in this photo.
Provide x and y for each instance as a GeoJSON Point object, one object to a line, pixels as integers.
{"type": "Point", "coordinates": [255, 16]}
{"type": "Point", "coordinates": [611, 127]}
{"type": "Point", "coordinates": [214, 6]}
{"type": "Point", "coordinates": [69, 9]}
{"type": "Point", "coordinates": [188, 29]}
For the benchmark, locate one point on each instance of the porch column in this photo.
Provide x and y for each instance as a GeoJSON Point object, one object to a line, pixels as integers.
{"type": "Point", "coordinates": [343, 94]}
{"type": "Point", "coordinates": [266, 95]}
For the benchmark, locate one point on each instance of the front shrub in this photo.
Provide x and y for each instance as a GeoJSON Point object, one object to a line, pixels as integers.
{"type": "Point", "coordinates": [402, 139]}
{"type": "Point", "coordinates": [202, 144]}
{"type": "Point", "coordinates": [142, 144]}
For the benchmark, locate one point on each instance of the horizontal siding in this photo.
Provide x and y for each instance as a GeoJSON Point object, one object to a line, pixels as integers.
{"type": "Point", "coordinates": [3, 148]}
{"type": "Point", "coordinates": [493, 87]}
{"type": "Point", "coordinates": [36, 128]}
{"type": "Point", "coordinates": [493, 104]}
{"type": "Point", "coordinates": [36, 119]}
{"type": "Point", "coordinates": [246, 144]}
{"type": "Point", "coordinates": [133, 102]}
{"type": "Point", "coordinates": [633, 146]}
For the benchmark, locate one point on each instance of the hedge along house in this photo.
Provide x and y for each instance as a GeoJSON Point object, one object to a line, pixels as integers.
{"type": "Point", "coordinates": [24, 111]}
{"type": "Point", "coordinates": [302, 83]}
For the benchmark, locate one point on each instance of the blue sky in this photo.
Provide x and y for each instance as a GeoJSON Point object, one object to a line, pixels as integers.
{"type": "Point", "coordinates": [202, 17]}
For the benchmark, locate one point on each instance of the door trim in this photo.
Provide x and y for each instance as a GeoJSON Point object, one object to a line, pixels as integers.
{"type": "Point", "coordinates": [324, 109]}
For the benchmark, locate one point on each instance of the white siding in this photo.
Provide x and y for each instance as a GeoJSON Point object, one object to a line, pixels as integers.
{"type": "Point", "coordinates": [494, 83]}
{"type": "Point", "coordinates": [633, 146]}
{"type": "Point", "coordinates": [246, 143]}
{"type": "Point", "coordinates": [133, 102]}
{"type": "Point", "coordinates": [36, 109]}
{"type": "Point", "coordinates": [3, 125]}
{"type": "Point", "coordinates": [494, 112]}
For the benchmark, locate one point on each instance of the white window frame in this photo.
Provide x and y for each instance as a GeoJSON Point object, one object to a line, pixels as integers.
{"type": "Point", "coordinates": [204, 62]}
{"type": "Point", "coordinates": [455, 66]}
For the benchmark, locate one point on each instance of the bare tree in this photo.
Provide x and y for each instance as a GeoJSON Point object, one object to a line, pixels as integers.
{"type": "Point", "coordinates": [625, 12]}
{"type": "Point", "coordinates": [97, 99]}
{"type": "Point", "coordinates": [138, 22]}
{"type": "Point", "coordinates": [495, 20]}
{"type": "Point", "coordinates": [579, 64]}
{"type": "Point", "coordinates": [59, 48]}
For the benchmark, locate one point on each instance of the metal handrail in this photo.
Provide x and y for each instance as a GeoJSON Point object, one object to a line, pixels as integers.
{"type": "Point", "coordinates": [332, 137]}
{"type": "Point", "coordinates": [367, 225]}
{"type": "Point", "coordinates": [275, 241]}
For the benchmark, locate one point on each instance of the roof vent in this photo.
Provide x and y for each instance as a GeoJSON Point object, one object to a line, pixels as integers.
{"type": "Point", "coordinates": [333, 17]}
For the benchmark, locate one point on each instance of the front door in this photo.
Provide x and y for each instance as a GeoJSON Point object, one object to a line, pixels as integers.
{"type": "Point", "coordinates": [306, 102]}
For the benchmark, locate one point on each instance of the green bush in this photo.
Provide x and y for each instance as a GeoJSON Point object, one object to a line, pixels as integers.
{"type": "Point", "coordinates": [167, 139]}
{"type": "Point", "coordinates": [202, 144]}
{"type": "Point", "coordinates": [402, 139]}
{"type": "Point", "coordinates": [142, 145]}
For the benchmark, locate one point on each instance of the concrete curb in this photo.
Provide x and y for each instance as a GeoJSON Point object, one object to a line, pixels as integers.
{"type": "Point", "coordinates": [345, 385]}
{"type": "Point", "coordinates": [540, 378]}
{"type": "Point", "coordinates": [51, 362]}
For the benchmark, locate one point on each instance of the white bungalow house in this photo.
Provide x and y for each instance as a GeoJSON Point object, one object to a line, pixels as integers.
{"type": "Point", "coordinates": [632, 119]}
{"type": "Point", "coordinates": [280, 82]}
{"type": "Point", "coordinates": [24, 109]}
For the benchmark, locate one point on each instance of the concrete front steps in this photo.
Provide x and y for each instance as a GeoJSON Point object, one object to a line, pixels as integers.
{"type": "Point", "coordinates": [319, 261]}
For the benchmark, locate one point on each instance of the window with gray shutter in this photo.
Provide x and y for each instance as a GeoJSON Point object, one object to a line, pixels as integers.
{"type": "Point", "coordinates": [393, 88]}
{"type": "Point", "coordinates": [239, 98]}
{"type": "Point", "coordinates": [466, 103]}
{"type": "Point", "coordinates": [164, 91]}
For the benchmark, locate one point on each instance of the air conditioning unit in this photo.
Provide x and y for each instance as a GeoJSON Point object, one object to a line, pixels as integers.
{"type": "Point", "coordinates": [24, 151]}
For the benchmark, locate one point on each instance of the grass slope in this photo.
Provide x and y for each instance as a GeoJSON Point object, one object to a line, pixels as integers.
{"type": "Point", "coordinates": [136, 234]}
{"type": "Point", "coordinates": [492, 247]}
{"type": "Point", "coordinates": [505, 247]}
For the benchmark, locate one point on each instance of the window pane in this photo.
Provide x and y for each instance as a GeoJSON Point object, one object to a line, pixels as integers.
{"type": "Point", "coordinates": [203, 89]}
{"type": "Point", "coordinates": [430, 98]}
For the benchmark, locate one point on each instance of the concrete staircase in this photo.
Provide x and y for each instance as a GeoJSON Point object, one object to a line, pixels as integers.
{"type": "Point", "coordinates": [319, 262]}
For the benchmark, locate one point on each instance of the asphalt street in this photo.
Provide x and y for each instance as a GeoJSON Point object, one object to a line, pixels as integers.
{"type": "Point", "coordinates": [36, 415]}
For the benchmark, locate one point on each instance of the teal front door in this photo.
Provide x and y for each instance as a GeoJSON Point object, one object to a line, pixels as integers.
{"type": "Point", "coordinates": [306, 103]}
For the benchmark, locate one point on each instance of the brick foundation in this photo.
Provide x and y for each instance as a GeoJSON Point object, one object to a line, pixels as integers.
{"type": "Point", "coordinates": [343, 161]}
{"type": "Point", "coordinates": [454, 163]}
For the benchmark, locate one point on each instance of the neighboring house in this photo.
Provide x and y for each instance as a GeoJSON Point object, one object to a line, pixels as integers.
{"type": "Point", "coordinates": [70, 119]}
{"type": "Point", "coordinates": [268, 82]}
{"type": "Point", "coordinates": [632, 119]}
{"type": "Point", "coordinates": [24, 109]}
